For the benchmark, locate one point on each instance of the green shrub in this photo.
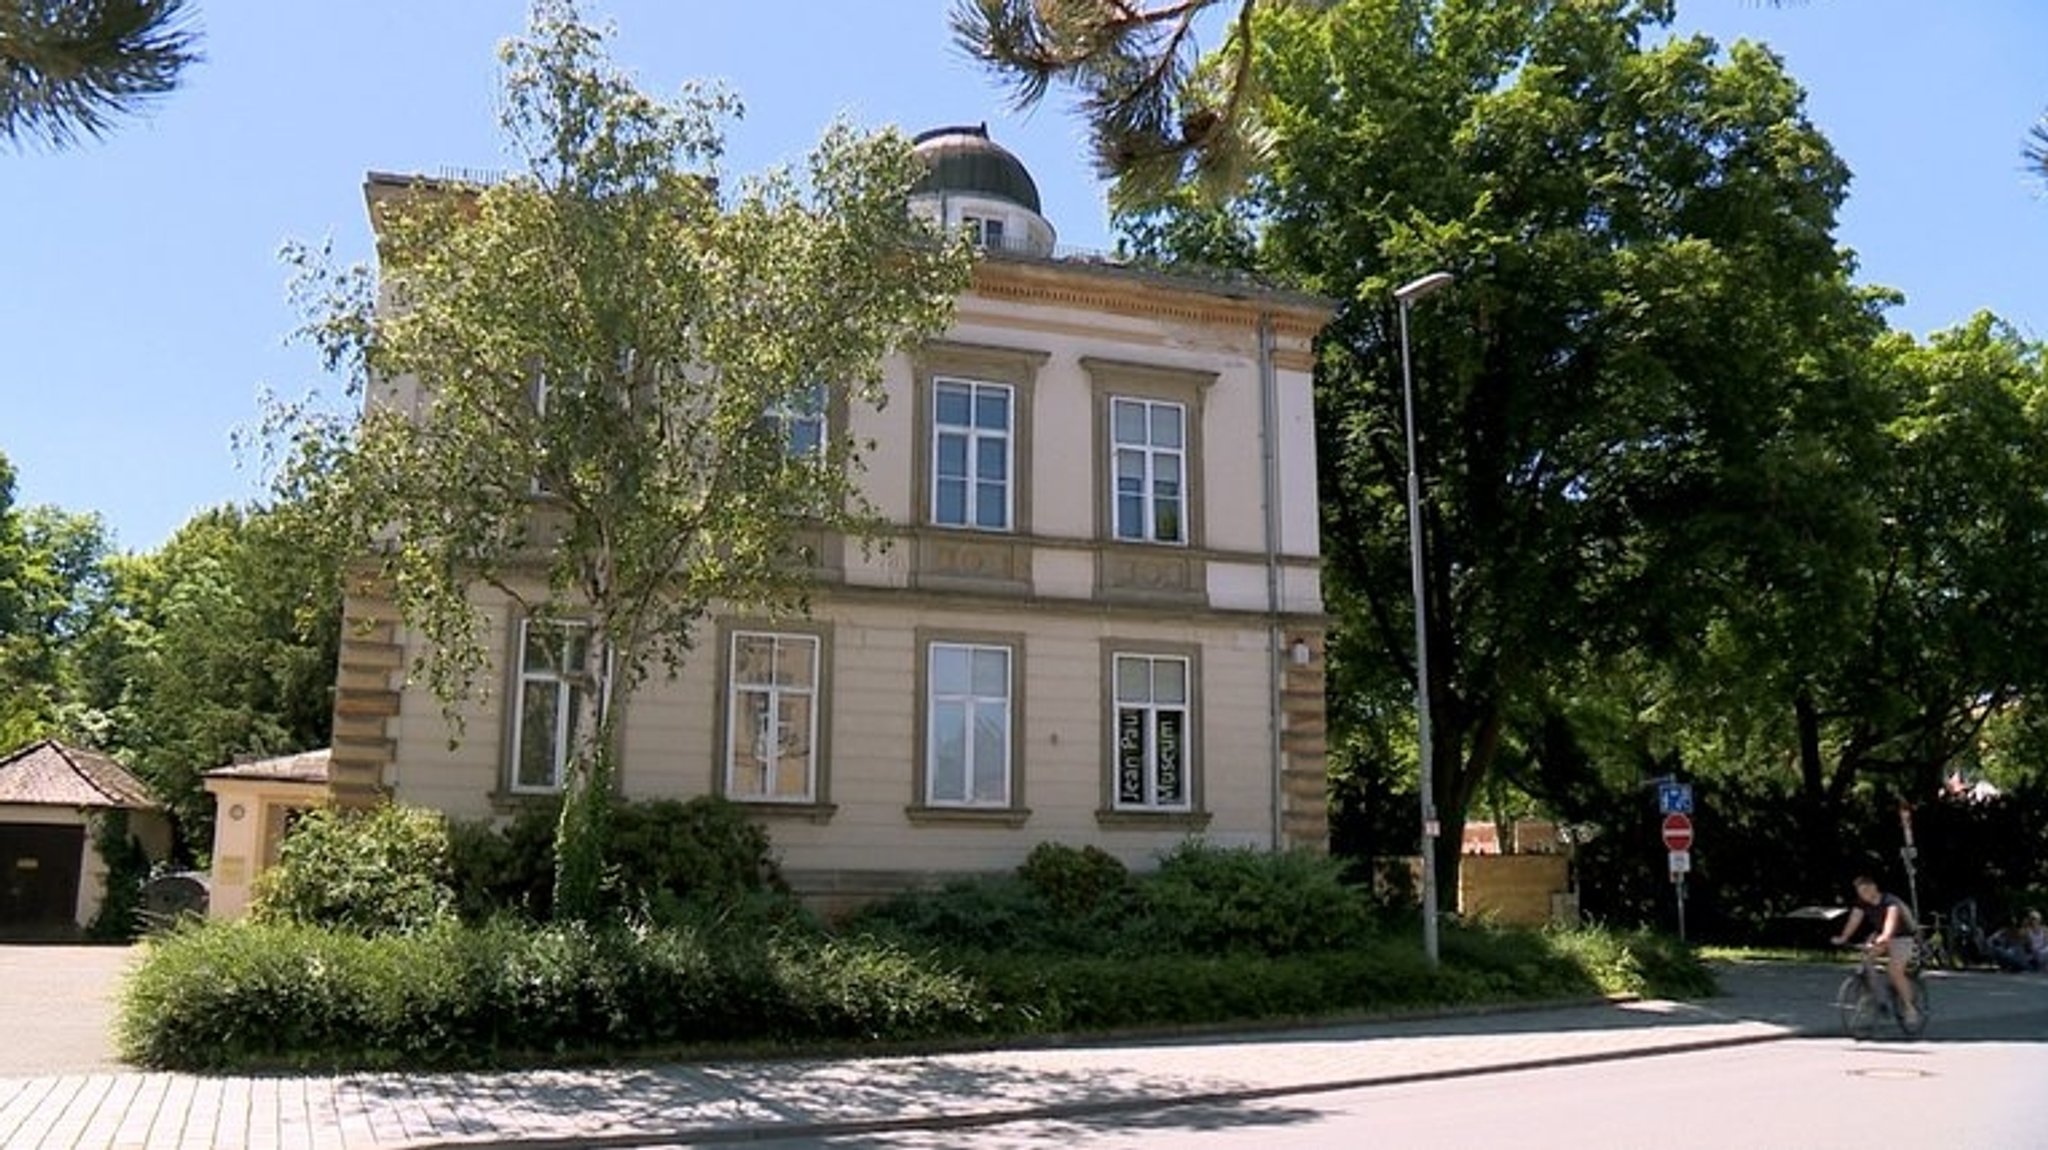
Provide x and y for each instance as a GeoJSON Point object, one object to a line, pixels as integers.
{"type": "Point", "coordinates": [1634, 962]}
{"type": "Point", "coordinates": [368, 871]}
{"type": "Point", "coordinates": [257, 994]}
{"type": "Point", "coordinates": [1074, 882]}
{"type": "Point", "coordinates": [1082, 902]}
{"type": "Point", "coordinates": [994, 913]}
{"type": "Point", "coordinates": [1204, 899]}
{"type": "Point", "coordinates": [701, 850]}
{"type": "Point", "coordinates": [664, 857]}
{"type": "Point", "coordinates": [1082, 993]}
{"type": "Point", "coordinates": [508, 869]}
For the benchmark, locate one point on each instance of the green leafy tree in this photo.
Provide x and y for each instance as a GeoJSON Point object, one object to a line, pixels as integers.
{"type": "Point", "coordinates": [1865, 670]}
{"type": "Point", "coordinates": [221, 643]}
{"type": "Point", "coordinates": [52, 584]}
{"type": "Point", "coordinates": [1942, 629]}
{"type": "Point", "coordinates": [1642, 396]}
{"type": "Point", "coordinates": [566, 401]}
{"type": "Point", "coordinates": [19, 719]}
{"type": "Point", "coordinates": [70, 68]}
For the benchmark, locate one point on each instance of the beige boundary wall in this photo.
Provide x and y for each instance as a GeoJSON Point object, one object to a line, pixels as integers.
{"type": "Point", "coordinates": [1513, 889]}
{"type": "Point", "coordinates": [250, 817]}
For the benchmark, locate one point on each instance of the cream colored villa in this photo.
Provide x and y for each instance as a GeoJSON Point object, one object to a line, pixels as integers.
{"type": "Point", "coordinates": [1099, 618]}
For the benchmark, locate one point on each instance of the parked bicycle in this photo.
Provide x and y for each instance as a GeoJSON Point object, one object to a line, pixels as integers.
{"type": "Point", "coordinates": [1865, 997]}
{"type": "Point", "coordinates": [1938, 948]}
{"type": "Point", "coordinates": [1954, 941]}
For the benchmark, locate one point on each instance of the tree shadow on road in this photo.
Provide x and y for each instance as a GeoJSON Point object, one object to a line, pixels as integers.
{"type": "Point", "coordinates": [814, 1100]}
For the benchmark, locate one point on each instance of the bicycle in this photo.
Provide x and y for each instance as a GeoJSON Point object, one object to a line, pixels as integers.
{"type": "Point", "coordinates": [1866, 995]}
{"type": "Point", "coordinates": [1934, 947]}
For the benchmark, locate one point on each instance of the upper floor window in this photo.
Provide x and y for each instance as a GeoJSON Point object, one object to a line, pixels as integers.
{"type": "Point", "coordinates": [798, 421]}
{"type": "Point", "coordinates": [986, 231]}
{"type": "Point", "coordinates": [1148, 448]}
{"type": "Point", "coordinates": [771, 751]}
{"type": "Point", "coordinates": [554, 673]}
{"type": "Point", "coordinates": [973, 415]}
{"type": "Point", "coordinates": [972, 454]}
{"type": "Point", "coordinates": [1149, 464]}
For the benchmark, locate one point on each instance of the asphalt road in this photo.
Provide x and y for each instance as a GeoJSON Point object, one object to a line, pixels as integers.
{"type": "Point", "coordinates": [1979, 1080]}
{"type": "Point", "coordinates": [1808, 1093]}
{"type": "Point", "coordinates": [57, 1008]}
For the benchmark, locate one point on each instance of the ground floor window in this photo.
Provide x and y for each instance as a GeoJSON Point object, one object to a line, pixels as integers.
{"type": "Point", "coordinates": [771, 751]}
{"type": "Point", "coordinates": [554, 673]}
{"type": "Point", "coordinates": [1150, 697]}
{"type": "Point", "coordinates": [968, 734]}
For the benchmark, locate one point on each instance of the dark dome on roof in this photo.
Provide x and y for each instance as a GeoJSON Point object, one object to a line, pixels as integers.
{"type": "Point", "coordinates": [964, 159]}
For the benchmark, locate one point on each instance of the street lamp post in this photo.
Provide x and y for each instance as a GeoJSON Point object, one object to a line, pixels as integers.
{"type": "Point", "coordinates": [1406, 295]}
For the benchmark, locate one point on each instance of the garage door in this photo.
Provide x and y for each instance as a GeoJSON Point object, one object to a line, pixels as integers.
{"type": "Point", "coordinates": [39, 874]}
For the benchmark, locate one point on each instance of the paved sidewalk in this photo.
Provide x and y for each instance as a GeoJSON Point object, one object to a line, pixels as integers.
{"type": "Point", "coordinates": [741, 1100]}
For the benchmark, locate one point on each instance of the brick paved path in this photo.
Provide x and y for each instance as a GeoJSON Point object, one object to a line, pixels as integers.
{"type": "Point", "coordinates": [725, 1100]}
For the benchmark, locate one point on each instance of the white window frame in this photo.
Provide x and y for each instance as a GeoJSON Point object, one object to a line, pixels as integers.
{"type": "Point", "coordinates": [972, 704]}
{"type": "Point", "coordinates": [986, 231]}
{"type": "Point", "coordinates": [569, 683]}
{"type": "Point", "coordinates": [805, 407]}
{"type": "Point", "coordinates": [1148, 496]}
{"type": "Point", "coordinates": [775, 693]}
{"type": "Point", "coordinates": [1148, 711]}
{"type": "Point", "coordinates": [975, 436]}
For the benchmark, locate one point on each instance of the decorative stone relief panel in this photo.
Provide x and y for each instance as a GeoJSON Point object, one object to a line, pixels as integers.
{"type": "Point", "coordinates": [978, 562]}
{"type": "Point", "coordinates": [1140, 573]}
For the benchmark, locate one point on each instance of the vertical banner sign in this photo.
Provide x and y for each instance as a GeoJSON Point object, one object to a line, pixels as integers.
{"type": "Point", "coordinates": [1130, 757]}
{"type": "Point", "coordinates": [1172, 779]}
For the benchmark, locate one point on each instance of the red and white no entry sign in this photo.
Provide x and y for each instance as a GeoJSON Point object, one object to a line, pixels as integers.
{"type": "Point", "coordinates": [1677, 832]}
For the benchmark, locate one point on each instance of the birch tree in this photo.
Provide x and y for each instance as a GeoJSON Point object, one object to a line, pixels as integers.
{"type": "Point", "coordinates": [572, 377]}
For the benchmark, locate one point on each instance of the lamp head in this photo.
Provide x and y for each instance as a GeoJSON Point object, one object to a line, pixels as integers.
{"type": "Point", "coordinates": [1415, 289]}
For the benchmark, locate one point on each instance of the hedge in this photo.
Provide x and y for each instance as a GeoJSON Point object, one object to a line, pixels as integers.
{"type": "Point", "coordinates": [287, 994]}
{"type": "Point", "coordinates": [261, 995]}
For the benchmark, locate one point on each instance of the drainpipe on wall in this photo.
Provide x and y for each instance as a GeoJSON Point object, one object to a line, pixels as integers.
{"type": "Point", "coordinates": [1269, 421]}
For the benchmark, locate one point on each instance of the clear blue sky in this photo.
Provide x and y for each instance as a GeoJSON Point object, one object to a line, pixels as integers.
{"type": "Point", "coordinates": [142, 305]}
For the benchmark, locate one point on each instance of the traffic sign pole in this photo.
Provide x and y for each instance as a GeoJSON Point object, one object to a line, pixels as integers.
{"type": "Point", "coordinates": [1677, 834]}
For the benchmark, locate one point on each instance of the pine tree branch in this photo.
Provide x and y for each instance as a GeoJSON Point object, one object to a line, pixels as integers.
{"type": "Point", "coordinates": [70, 68]}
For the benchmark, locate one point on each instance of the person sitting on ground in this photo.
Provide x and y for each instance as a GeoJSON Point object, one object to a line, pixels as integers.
{"type": "Point", "coordinates": [2008, 945]}
{"type": "Point", "coordinates": [1891, 928]}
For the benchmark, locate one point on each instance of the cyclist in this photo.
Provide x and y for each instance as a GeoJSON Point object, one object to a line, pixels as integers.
{"type": "Point", "coordinates": [1891, 935]}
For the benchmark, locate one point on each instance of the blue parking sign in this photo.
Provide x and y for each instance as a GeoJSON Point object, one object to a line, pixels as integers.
{"type": "Point", "coordinates": [1674, 798]}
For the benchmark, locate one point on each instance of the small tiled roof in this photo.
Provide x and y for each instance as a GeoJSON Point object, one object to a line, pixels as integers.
{"type": "Point", "coordinates": [50, 774]}
{"type": "Point", "coordinates": [305, 767]}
